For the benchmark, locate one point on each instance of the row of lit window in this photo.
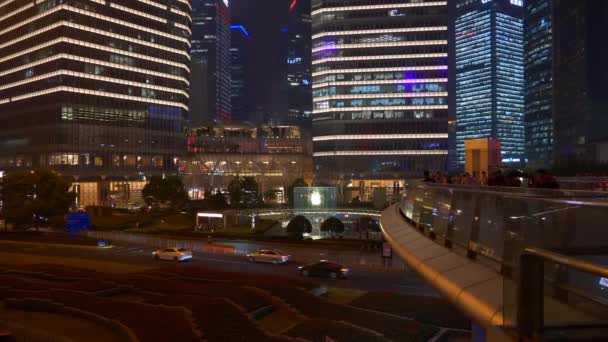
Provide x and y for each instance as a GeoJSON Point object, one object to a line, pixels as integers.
{"type": "Point", "coordinates": [378, 57]}
{"type": "Point", "coordinates": [92, 77]}
{"type": "Point", "coordinates": [404, 89]}
{"type": "Point", "coordinates": [98, 64]}
{"type": "Point", "coordinates": [85, 159]}
{"type": "Point", "coordinates": [388, 102]}
{"type": "Point", "coordinates": [96, 31]}
{"type": "Point", "coordinates": [93, 93]}
{"type": "Point", "coordinates": [379, 31]}
{"type": "Point", "coordinates": [379, 153]}
{"type": "Point", "coordinates": [379, 108]}
{"type": "Point", "coordinates": [379, 95]}
{"type": "Point", "coordinates": [92, 15]}
{"type": "Point", "coordinates": [379, 137]}
{"type": "Point", "coordinates": [372, 82]}
{"type": "Point", "coordinates": [379, 45]}
{"type": "Point", "coordinates": [98, 47]}
{"type": "Point", "coordinates": [377, 39]}
{"type": "Point", "coordinates": [379, 6]}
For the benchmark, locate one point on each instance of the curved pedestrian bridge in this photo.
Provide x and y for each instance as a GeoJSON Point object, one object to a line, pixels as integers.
{"type": "Point", "coordinates": [519, 262]}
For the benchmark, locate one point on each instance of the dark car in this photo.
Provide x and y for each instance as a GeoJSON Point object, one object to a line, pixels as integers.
{"type": "Point", "coordinates": [6, 336]}
{"type": "Point", "coordinates": [324, 269]}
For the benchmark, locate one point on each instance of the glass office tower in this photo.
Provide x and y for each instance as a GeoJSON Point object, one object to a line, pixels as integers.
{"type": "Point", "coordinates": [489, 75]}
{"type": "Point", "coordinates": [297, 57]}
{"type": "Point", "coordinates": [239, 94]}
{"type": "Point", "coordinates": [93, 88]}
{"type": "Point", "coordinates": [379, 88]}
{"type": "Point", "coordinates": [210, 61]}
{"type": "Point", "coordinates": [538, 46]}
{"type": "Point", "coordinates": [580, 83]}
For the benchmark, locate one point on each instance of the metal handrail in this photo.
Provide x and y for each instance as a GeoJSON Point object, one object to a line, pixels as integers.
{"type": "Point", "coordinates": [530, 308]}
{"type": "Point", "coordinates": [582, 201]}
{"type": "Point", "coordinates": [515, 191]}
{"type": "Point", "coordinates": [565, 260]}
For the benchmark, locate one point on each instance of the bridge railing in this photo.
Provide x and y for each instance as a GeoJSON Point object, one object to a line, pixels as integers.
{"type": "Point", "coordinates": [494, 226]}
{"type": "Point", "coordinates": [546, 274]}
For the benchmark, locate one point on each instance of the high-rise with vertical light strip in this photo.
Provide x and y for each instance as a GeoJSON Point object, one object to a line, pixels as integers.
{"type": "Point", "coordinates": [379, 88]}
{"type": "Point", "coordinates": [94, 87]}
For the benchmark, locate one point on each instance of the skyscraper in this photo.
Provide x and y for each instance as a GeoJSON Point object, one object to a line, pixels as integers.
{"type": "Point", "coordinates": [239, 51]}
{"type": "Point", "coordinates": [379, 89]}
{"type": "Point", "coordinates": [489, 75]}
{"type": "Point", "coordinates": [298, 60]}
{"type": "Point", "coordinates": [210, 61]}
{"type": "Point", "coordinates": [580, 78]}
{"type": "Point", "coordinates": [538, 47]}
{"type": "Point", "coordinates": [95, 89]}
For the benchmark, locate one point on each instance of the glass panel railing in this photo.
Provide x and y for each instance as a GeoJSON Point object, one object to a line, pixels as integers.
{"type": "Point", "coordinates": [498, 224]}
{"type": "Point", "coordinates": [562, 296]}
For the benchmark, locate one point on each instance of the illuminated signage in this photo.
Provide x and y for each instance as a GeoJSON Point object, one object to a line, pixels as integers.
{"type": "Point", "coordinates": [295, 60]}
{"type": "Point", "coordinates": [315, 198]}
{"type": "Point", "coordinates": [210, 215]}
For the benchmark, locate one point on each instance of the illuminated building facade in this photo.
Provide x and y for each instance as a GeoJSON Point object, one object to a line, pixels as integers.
{"type": "Point", "coordinates": [380, 74]}
{"type": "Point", "coordinates": [239, 51]}
{"type": "Point", "coordinates": [298, 64]}
{"type": "Point", "coordinates": [274, 155]}
{"type": "Point", "coordinates": [94, 88]}
{"type": "Point", "coordinates": [538, 47]}
{"type": "Point", "coordinates": [489, 75]}
{"type": "Point", "coordinates": [210, 51]}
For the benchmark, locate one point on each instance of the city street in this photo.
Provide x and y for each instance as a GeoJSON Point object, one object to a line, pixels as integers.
{"type": "Point", "coordinates": [361, 277]}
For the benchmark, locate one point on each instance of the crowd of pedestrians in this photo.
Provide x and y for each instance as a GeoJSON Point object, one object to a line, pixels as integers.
{"type": "Point", "coordinates": [509, 178]}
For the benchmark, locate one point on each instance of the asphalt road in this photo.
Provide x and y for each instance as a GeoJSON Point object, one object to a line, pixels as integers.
{"type": "Point", "coordinates": [363, 278]}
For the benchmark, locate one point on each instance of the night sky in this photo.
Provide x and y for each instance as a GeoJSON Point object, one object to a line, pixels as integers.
{"type": "Point", "coordinates": [264, 19]}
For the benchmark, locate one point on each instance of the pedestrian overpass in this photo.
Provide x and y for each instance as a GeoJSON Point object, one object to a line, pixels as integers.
{"type": "Point", "coordinates": [521, 263]}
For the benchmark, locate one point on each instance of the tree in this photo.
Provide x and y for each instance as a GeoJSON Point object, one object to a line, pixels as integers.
{"type": "Point", "coordinates": [298, 226]}
{"type": "Point", "coordinates": [367, 224]}
{"type": "Point", "coordinates": [333, 225]}
{"type": "Point", "coordinates": [244, 191]}
{"type": "Point", "coordinates": [29, 196]}
{"type": "Point", "coordinates": [270, 196]}
{"type": "Point", "coordinates": [169, 189]}
{"type": "Point", "coordinates": [298, 183]}
{"type": "Point", "coordinates": [216, 201]}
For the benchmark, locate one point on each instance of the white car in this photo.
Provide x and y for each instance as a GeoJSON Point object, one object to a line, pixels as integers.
{"type": "Point", "coordinates": [266, 255]}
{"type": "Point", "coordinates": [174, 253]}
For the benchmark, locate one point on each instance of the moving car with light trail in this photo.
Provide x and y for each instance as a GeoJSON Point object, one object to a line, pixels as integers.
{"type": "Point", "coordinates": [174, 253]}
{"type": "Point", "coordinates": [324, 269]}
{"type": "Point", "coordinates": [266, 255]}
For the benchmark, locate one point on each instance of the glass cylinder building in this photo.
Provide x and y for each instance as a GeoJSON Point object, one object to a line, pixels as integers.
{"type": "Point", "coordinates": [379, 88]}
{"type": "Point", "coordinates": [94, 88]}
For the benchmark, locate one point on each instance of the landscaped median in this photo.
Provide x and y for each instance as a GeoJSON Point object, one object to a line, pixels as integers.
{"type": "Point", "coordinates": [190, 303]}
